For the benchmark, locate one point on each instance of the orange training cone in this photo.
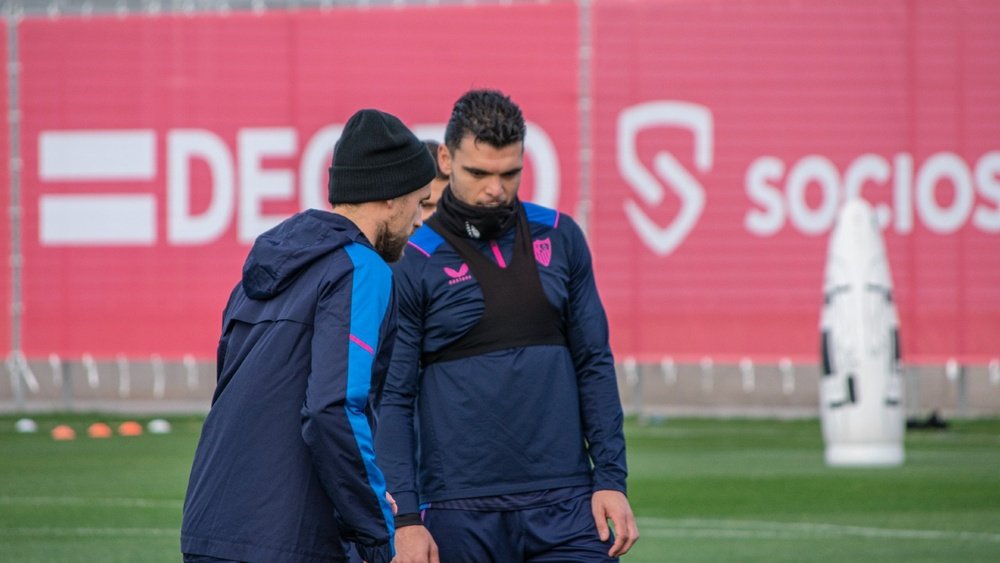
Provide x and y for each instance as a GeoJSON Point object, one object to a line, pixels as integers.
{"type": "Point", "coordinates": [130, 428]}
{"type": "Point", "coordinates": [63, 432]}
{"type": "Point", "coordinates": [99, 430]}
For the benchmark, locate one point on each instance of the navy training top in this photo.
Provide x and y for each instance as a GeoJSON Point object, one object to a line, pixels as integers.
{"type": "Point", "coordinates": [516, 420]}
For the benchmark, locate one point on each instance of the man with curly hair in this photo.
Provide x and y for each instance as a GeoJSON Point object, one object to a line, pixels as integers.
{"type": "Point", "coordinates": [501, 426]}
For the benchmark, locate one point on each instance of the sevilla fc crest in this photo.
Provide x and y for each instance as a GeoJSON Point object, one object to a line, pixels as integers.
{"type": "Point", "coordinates": [543, 251]}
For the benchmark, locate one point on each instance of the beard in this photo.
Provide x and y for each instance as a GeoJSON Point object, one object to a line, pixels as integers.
{"type": "Point", "coordinates": [389, 245]}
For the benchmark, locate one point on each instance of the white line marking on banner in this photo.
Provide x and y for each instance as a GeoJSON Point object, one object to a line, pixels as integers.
{"type": "Point", "coordinates": [97, 155]}
{"type": "Point", "coordinates": [73, 220]}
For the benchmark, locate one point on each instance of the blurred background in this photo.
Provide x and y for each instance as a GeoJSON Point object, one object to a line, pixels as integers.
{"type": "Point", "coordinates": [704, 146]}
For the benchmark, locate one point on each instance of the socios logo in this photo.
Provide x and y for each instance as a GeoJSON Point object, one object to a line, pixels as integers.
{"type": "Point", "coordinates": [650, 185]}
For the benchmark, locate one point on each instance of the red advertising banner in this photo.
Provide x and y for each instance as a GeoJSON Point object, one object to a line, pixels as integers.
{"type": "Point", "coordinates": [5, 273]}
{"type": "Point", "coordinates": [726, 136]}
{"type": "Point", "coordinates": [157, 151]}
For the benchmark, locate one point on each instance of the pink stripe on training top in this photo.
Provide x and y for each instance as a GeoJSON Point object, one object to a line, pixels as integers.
{"type": "Point", "coordinates": [499, 256]}
{"type": "Point", "coordinates": [359, 342]}
{"type": "Point", "coordinates": [556, 223]}
{"type": "Point", "coordinates": [421, 250]}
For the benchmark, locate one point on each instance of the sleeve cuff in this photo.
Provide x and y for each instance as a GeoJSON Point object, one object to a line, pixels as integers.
{"type": "Point", "coordinates": [409, 519]}
{"type": "Point", "coordinates": [406, 502]}
{"type": "Point", "coordinates": [375, 554]}
{"type": "Point", "coordinates": [610, 486]}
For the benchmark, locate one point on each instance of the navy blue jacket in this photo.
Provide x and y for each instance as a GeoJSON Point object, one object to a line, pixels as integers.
{"type": "Point", "coordinates": [512, 421]}
{"type": "Point", "coordinates": [285, 467]}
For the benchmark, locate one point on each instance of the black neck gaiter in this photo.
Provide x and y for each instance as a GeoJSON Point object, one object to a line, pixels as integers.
{"type": "Point", "coordinates": [470, 221]}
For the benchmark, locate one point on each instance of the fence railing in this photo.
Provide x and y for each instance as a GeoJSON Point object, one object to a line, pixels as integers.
{"type": "Point", "coordinates": [790, 389]}
{"type": "Point", "coordinates": [783, 388]}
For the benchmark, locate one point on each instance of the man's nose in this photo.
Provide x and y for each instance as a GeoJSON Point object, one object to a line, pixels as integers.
{"type": "Point", "coordinates": [494, 188]}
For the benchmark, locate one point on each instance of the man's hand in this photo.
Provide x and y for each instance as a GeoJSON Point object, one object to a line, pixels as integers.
{"type": "Point", "coordinates": [612, 505]}
{"type": "Point", "coordinates": [392, 503]}
{"type": "Point", "coordinates": [414, 544]}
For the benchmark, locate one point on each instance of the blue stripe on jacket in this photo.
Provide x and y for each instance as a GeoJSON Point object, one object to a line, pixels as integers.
{"type": "Point", "coordinates": [371, 290]}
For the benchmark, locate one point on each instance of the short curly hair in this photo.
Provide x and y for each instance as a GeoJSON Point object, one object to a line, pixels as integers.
{"type": "Point", "coordinates": [489, 116]}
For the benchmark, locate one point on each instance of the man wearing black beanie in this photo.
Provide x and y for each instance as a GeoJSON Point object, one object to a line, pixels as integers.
{"type": "Point", "coordinates": [285, 467]}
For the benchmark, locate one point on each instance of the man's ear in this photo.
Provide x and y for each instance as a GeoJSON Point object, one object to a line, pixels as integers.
{"type": "Point", "coordinates": [444, 159]}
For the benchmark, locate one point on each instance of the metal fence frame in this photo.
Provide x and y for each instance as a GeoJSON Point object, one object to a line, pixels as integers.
{"type": "Point", "coordinates": [632, 374]}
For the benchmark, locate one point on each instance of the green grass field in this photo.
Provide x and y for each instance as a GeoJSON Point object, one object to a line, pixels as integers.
{"type": "Point", "coordinates": [703, 490]}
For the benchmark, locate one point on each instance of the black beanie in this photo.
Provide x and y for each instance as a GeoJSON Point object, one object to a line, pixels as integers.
{"type": "Point", "coordinates": [377, 158]}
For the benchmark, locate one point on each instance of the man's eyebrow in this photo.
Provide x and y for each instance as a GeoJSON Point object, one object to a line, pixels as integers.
{"type": "Point", "coordinates": [474, 170]}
